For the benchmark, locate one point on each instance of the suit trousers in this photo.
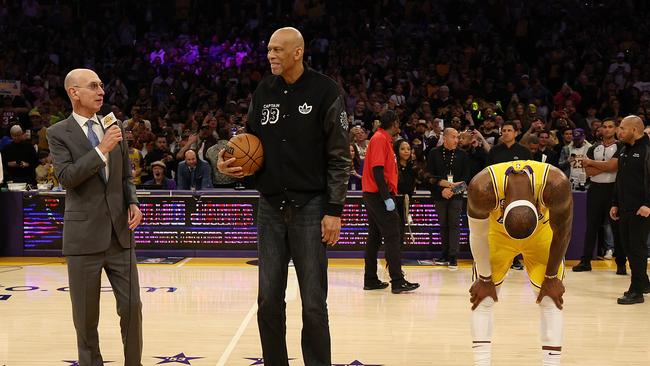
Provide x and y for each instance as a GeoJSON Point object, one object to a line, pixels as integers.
{"type": "Point", "coordinates": [449, 220]}
{"type": "Point", "coordinates": [634, 236]}
{"type": "Point", "coordinates": [84, 273]}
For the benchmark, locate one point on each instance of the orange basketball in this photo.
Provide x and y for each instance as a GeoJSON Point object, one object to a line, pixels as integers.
{"type": "Point", "coordinates": [248, 151]}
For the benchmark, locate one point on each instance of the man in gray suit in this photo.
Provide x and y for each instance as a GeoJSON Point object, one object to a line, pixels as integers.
{"type": "Point", "coordinates": [101, 212]}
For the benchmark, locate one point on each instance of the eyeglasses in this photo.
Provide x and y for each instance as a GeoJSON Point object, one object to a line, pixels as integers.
{"type": "Point", "coordinates": [92, 86]}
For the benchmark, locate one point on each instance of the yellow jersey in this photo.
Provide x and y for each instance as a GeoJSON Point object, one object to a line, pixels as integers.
{"type": "Point", "coordinates": [535, 248]}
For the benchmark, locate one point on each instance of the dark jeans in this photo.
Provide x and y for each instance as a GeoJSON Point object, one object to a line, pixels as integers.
{"type": "Point", "coordinates": [599, 201]}
{"type": "Point", "coordinates": [449, 221]}
{"type": "Point", "coordinates": [292, 233]}
{"type": "Point", "coordinates": [634, 235]}
{"type": "Point", "coordinates": [382, 224]}
{"type": "Point", "coordinates": [85, 277]}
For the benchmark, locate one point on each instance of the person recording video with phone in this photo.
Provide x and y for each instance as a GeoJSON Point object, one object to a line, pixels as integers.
{"type": "Point", "coordinates": [450, 168]}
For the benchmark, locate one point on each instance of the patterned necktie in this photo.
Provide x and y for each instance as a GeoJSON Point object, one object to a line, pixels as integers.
{"type": "Point", "coordinates": [94, 141]}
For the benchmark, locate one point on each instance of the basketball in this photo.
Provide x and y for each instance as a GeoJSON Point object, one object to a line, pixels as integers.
{"type": "Point", "coordinates": [248, 152]}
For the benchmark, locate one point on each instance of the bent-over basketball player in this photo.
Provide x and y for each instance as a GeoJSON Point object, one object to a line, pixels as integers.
{"type": "Point", "coordinates": [519, 207]}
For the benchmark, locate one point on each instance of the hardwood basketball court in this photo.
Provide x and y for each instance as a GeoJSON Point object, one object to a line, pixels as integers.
{"type": "Point", "coordinates": [202, 311]}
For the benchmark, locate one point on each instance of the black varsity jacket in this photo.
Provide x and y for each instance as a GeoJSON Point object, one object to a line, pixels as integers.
{"type": "Point", "coordinates": [304, 131]}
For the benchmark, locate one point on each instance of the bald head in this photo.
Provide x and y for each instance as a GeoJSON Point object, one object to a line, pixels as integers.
{"type": "Point", "coordinates": [85, 90]}
{"type": "Point", "coordinates": [290, 37]}
{"type": "Point", "coordinates": [450, 138]}
{"type": "Point", "coordinates": [285, 52]}
{"type": "Point", "coordinates": [633, 121]}
{"type": "Point", "coordinates": [78, 77]}
{"type": "Point", "coordinates": [630, 129]}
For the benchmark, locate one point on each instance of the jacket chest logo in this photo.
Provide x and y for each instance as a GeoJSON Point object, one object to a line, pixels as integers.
{"type": "Point", "coordinates": [304, 109]}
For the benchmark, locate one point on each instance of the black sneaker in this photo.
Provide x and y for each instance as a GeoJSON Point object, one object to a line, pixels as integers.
{"type": "Point", "coordinates": [442, 261]}
{"type": "Point", "coordinates": [583, 266]}
{"type": "Point", "coordinates": [404, 287]}
{"type": "Point", "coordinates": [379, 285]}
{"type": "Point", "coordinates": [621, 270]}
{"type": "Point", "coordinates": [453, 264]}
{"type": "Point", "coordinates": [516, 264]}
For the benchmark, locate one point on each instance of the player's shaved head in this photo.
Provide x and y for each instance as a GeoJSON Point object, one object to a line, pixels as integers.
{"type": "Point", "coordinates": [520, 222]}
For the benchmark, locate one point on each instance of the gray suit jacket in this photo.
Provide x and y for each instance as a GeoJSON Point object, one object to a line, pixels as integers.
{"type": "Point", "coordinates": [92, 207]}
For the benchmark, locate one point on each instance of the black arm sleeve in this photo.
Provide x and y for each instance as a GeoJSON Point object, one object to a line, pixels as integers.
{"type": "Point", "coordinates": [378, 173]}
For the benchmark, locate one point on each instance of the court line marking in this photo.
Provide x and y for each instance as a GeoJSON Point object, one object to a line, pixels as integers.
{"type": "Point", "coordinates": [290, 295]}
{"type": "Point", "coordinates": [183, 261]}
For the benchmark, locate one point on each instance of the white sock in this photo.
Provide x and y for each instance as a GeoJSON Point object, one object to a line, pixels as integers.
{"type": "Point", "coordinates": [482, 332]}
{"type": "Point", "coordinates": [551, 330]}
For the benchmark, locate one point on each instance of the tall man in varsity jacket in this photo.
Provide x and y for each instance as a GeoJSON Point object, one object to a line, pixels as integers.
{"type": "Point", "coordinates": [299, 116]}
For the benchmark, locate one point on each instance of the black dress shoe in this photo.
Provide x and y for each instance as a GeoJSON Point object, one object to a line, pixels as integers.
{"type": "Point", "coordinates": [403, 287]}
{"type": "Point", "coordinates": [621, 270]}
{"type": "Point", "coordinates": [630, 298]}
{"type": "Point", "coordinates": [582, 267]}
{"type": "Point", "coordinates": [379, 285]}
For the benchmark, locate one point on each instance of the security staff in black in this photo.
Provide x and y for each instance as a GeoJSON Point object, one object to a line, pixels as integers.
{"type": "Point", "coordinates": [299, 116]}
{"type": "Point", "coordinates": [631, 205]}
{"type": "Point", "coordinates": [601, 164]}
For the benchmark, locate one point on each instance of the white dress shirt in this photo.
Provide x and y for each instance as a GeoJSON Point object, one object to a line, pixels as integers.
{"type": "Point", "coordinates": [99, 131]}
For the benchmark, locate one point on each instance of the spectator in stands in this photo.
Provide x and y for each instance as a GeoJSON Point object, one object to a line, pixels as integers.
{"type": "Point", "coordinates": [565, 94]}
{"type": "Point", "coordinates": [407, 174]}
{"type": "Point", "coordinates": [354, 184]}
{"type": "Point", "coordinates": [508, 149]}
{"type": "Point", "coordinates": [45, 169]}
{"type": "Point", "coordinates": [193, 173]}
{"type": "Point", "coordinates": [477, 149]}
{"type": "Point", "coordinates": [545, 152]}
{"type": "Point", "coordinates": [206, 136]}
{"type": "Point", "coordinates": [20, 158]}
{"type": "Point", "coordinates": [571, 159]}
{"type": "Point", "coordinates": [161, 153]}
{"type": "Point", "coordinates": [360, 138]}
{"type": "Point", "coordinates": [158, 177]}
{"type": "Point", "coordinates": [137, 121]}
{"type": "Point", "coordinates": [136, 160]}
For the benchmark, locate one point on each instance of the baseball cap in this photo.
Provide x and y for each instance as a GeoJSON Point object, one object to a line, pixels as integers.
{"type": "Point", "coordinates": [34, 112]}
{"type": "Point", "coordinates": [578, 134]}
